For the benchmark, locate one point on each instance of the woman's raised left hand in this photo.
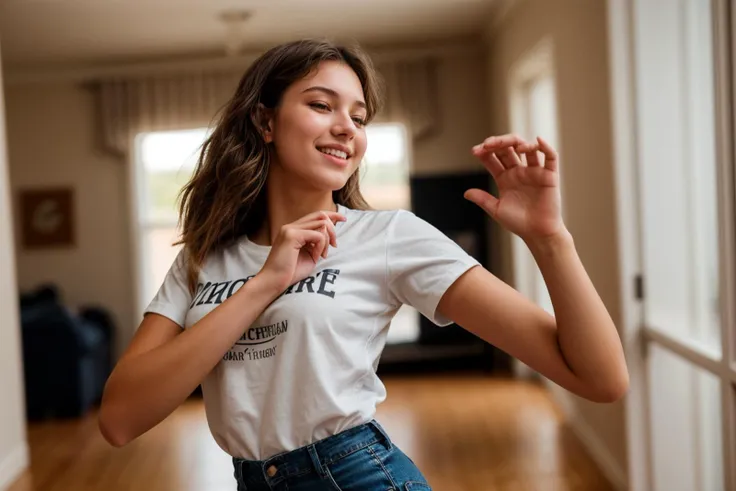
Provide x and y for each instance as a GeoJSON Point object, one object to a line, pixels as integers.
{"type": "Point", "coordinates": [528, 202]}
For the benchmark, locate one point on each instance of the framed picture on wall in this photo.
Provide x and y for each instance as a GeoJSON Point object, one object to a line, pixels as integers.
{"type": "Point", "coordinates": [47, 218]}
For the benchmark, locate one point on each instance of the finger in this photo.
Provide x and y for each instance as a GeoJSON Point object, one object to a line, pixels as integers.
{"type": "Point", "coordinates": [314, 251]}
{"type": "Point", "coordinates": [550, 155]}
{"type": "Point", "coordinates": [530, 153]}
{"type": "Point", "coordinates": [304, 237]}
{"type": "Point", "coordinates": [489, 161]}
{"type": "Point", "coordinates": [311, 239]}
{"type": "Point", "coordinates": [327, 241]}
{"type": "Point", "coordinates": [315, 224]}
{"type": "Point", "coordinates": [495, 164]}
{"type": "Point", "coordinates": [508, 157]}
{"type": "Point", "coordinates": [498, 142]}
{"type": "Point", "coordinates": [330, 232]}
{"type": "Point", "coordinates": [324, 245]}
{"type": "Point", "coordinates": [486, 201]}
{"type": "Point", "coordinates": [333, 216]}
{"type": "Point", "coordinates": [319, 225]}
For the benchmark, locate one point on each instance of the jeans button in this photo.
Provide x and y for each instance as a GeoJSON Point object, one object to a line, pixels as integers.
{"type": "Point", "coordinates": [271, 471]}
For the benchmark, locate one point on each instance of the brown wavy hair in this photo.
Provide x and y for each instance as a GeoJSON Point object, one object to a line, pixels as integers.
{"type": "Point", "coordinates": [226, 196]}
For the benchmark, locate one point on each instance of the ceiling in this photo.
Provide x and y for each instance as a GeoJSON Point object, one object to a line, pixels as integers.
{"type": "Point", "coordinates": [63, 32]}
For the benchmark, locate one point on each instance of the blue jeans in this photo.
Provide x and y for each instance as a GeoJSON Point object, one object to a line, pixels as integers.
{"type": "Point", "coordinates": [359, 459]}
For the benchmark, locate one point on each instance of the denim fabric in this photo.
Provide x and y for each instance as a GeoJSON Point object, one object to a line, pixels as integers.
{"type": "Point", "coordinates": [359, 459]}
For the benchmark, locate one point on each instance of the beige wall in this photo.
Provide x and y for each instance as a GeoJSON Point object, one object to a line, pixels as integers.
{"type": "Point", "coordinates": [464, 121]}
{"type": "Point", "coordinates": [13, 446]}
{"type": "Point", "coordinates": [577, 29]}
{"type": "Point", "coordinates": [51, 142]}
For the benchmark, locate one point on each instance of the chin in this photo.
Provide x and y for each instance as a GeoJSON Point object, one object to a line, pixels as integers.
{"type": "Point", "coordinates": [331, 179]}
{"type": "Point", "coordinates": [324, 182]}
{"type": "Point", "coordinates": [334, 184]}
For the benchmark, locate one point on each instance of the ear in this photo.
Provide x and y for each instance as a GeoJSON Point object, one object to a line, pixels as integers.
{"type": "Point", "coordinates": [263, 119]}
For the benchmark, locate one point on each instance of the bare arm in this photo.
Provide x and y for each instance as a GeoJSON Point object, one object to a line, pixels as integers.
{"type": "Point", "coordinates": [163, 365]}
{"type": "Point", "coordinates": [579, 348]}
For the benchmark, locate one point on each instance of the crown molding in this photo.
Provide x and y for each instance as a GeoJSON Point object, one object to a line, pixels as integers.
{"type": "Point", "coordinates": [88, 73]}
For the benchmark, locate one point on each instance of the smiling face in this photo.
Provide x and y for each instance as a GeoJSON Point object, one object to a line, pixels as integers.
{"type": "Point", "coordinates": [318, 128]}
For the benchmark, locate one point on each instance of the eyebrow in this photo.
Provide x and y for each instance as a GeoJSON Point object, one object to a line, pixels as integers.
{"type": "Point", "coordinates": [332, 93]}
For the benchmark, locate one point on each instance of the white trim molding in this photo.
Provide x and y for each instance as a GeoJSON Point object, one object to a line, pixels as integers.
{"type": "Point", "coordinates": [600, 453]}
{"type": "Point", "coordinates": [597, 449]}
{"type": "Point", "coordinates": [621, 54]}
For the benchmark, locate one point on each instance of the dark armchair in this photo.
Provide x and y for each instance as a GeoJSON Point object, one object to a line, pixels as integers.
{"type": "Point", "coordinates": [67, 357]}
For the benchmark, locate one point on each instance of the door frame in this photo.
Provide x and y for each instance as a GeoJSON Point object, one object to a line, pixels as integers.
{"type": "Point", "coordinates": [636, 336]}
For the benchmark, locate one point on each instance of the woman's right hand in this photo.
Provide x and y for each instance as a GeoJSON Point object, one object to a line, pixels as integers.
{"type": "Point", "coordinates": [298, 247]}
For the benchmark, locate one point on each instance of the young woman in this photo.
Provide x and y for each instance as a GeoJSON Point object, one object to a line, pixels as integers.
{"type": "Point", "coordinates": [280, 301]}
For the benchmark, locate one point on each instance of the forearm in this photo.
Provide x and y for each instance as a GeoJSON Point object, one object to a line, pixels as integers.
{"type": "Point", "coordinates": [145, 389]}
{"type": "Point", "coordinates": [586, 334]}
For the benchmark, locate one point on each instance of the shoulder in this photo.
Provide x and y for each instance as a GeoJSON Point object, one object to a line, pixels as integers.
{"type": "Point", "coordinates": [371, 221]}
{"type": "Point", "coordinates": [395, 224]}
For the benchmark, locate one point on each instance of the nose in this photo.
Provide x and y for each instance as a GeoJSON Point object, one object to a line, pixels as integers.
{"type": "Point", "coordinates": [344, 126]}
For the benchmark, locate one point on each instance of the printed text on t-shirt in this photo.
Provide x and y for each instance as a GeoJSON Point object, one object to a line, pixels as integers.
{"type": "Point", "coordinates": [214, 293]}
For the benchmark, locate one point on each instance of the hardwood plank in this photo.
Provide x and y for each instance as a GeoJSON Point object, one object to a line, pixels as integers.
{"type": "Point", "coordinates": [466, 432]}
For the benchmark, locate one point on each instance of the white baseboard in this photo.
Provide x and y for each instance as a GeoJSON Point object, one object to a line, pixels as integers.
{"type": "Point", "coordinates": [13, 465]}
{"type": "Point", "coordinates": [595, 447]}
{"type": "Point", "coordinates": [600, 454]}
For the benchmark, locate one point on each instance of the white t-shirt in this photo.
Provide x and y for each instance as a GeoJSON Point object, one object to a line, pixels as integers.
{"type": "Point", "coordinates": [306, 368]}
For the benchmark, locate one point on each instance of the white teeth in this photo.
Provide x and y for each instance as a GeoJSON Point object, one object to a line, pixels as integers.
{"type": "Point", "coordinates": [336, 153]}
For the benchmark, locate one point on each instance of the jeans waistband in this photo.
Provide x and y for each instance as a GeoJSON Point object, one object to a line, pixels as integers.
{"type": "Point", "coordinates": [314, 457]}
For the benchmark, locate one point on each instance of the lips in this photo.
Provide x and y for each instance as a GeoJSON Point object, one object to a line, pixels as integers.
{"type": "Point", "coordinates": [336, 150]}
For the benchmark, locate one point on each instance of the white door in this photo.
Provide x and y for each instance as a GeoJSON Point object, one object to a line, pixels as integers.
{"type": "Point", "coordinates": [685, 175]}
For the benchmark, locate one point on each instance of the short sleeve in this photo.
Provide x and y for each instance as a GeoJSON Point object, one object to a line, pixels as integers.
{"type": "Point", "coordinates": [422, 263]}
{"type": "Point", "coordinates": [173, 297]}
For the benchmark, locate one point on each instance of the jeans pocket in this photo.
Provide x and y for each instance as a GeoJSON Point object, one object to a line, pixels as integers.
{"type": "Point", "coordinates": [360, 470]}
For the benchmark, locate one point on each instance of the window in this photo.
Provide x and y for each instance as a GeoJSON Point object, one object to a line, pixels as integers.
{"type": "Point", "coordinates": [165, 162]}
{"type": "Point", "coordinates": [384, 181]}
{"type": "Point", "coordinates": [385, 185]}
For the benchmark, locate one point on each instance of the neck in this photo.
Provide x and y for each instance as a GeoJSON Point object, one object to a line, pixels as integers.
{"type": "Point", "coordinates": [290, 206]}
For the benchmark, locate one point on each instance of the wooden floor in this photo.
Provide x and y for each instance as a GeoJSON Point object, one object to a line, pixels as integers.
{"type": "Point", "coordinates": [465, 432]}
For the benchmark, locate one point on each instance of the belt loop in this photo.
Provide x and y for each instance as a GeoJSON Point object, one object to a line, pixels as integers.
{"type": "Point", "coordinates": [380, 429]}
{"type": "Point", "coordinates": [315, 461]}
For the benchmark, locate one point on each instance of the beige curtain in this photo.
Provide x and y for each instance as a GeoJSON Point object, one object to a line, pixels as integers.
{"type": "Point", "coordinates": [411, 95]}
{"type": "Point", "coordinates": [129, 106]}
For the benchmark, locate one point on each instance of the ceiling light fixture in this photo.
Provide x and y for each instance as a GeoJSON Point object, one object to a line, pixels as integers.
{"type": "Point", "coordinates": [234, 20]}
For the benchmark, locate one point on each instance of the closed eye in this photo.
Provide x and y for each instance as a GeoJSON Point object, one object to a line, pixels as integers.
{"type": "Point", "coordinates": [320, 105]}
